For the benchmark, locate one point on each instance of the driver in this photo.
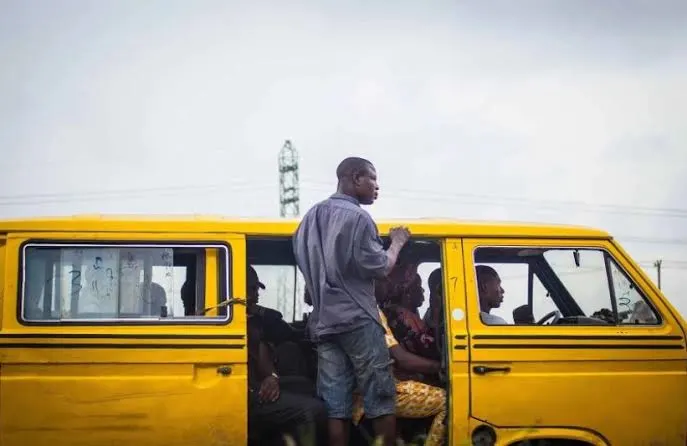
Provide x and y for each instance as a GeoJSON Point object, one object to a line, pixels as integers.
{"type": "Point", "coordinates": [490, 294]}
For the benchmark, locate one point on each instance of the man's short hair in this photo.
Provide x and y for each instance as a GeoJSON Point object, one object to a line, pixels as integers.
{"type": "Point", "coordinates": [351, 166]}
{"type": "Point", "coordinates": [485, 273]}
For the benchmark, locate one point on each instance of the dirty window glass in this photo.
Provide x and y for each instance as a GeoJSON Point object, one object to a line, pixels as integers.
{"type": "Point", "coordinates": [122, 282]}
{"type": "Point", "coordinates": [633, 308]}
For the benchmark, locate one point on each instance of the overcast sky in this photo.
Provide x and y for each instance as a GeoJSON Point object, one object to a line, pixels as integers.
{"type": "Point", "coordinates": [553, 111]}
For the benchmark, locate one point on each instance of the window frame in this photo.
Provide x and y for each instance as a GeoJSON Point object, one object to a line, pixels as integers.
{"type": "Point", "coordinates": [477, 244]}
{"type": "Point", "coordinates": [224, 286]}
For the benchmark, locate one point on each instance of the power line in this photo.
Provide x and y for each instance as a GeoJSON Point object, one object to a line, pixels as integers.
{"type": "Point", "coordinates": [114, 191]}
{"type": "Point", "coordinates": [651, 240]}
{"type": "Point", "coordinates": [289, 191]}
{"type": "Point", "coordinates": [137, 193]}
{"type": "Point", "coordinates": [128, 190]}
{"type": "Point", "coordinates": [468, 198]}
{"type": "Point", "coordinates": [412, 194]}
{"type": "Point", "coordinates": [409, 194]}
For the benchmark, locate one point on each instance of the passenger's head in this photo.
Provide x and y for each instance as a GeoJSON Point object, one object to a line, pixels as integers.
{"type": "Point", "coordinates": [434, 283]}
{"type": "Point", "coordinates": [404, 286]}
{"type": "Point", "coordinates": [358, 178]}
{"type": "Point", "coordinates": [253, 286]}
{"type": "Point", "coordinates": [158, 298]}
{"type": "Point", "coordinates": [188, 296]}
{"type": "Point", "coordinates": [489, 287]}
{"type": "Point", "coordinates": [415, 294]}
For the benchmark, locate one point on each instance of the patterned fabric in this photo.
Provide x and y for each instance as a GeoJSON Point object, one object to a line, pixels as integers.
{"type": "Point", "coordinates": [414, 399]}
{"type": "Point", "coordinates": [420, 400]}
{"type": "Point", "coordinates": [388, 336]}
{"type": "Point", "coordinates": [412, 332]}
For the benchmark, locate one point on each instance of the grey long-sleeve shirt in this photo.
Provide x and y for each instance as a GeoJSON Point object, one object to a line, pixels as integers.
{"type": "Point", "coordinates": [339, 252]}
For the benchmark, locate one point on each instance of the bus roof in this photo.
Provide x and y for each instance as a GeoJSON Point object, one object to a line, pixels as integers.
{"type": "Point", "coordinates": [274, 226]}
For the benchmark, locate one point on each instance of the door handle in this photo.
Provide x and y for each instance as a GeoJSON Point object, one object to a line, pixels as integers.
{"type": "Point", "coordinates": [224, 370]}
{"type": "Point", "coordinates": [483, 370]}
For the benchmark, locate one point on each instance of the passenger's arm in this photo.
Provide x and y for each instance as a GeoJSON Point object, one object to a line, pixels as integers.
{"type": "Point", "coordinates": [265, 364]}
{"type": "Point", "coordinates": [413, 363]}
{"type": "Point", "coordinates": [404, 359]}
{"type": "Point", "coordinates": [280, 332]}
{"type": "Point", "coordinates": [276, 330]}
{"type": "Point", "coordinates": [269, 385]}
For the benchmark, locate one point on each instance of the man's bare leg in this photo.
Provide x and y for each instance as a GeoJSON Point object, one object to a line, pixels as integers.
{"type": "Point", "coordinates": [385, 427]}
{"type": "Point", "coordinates": [338, 432]}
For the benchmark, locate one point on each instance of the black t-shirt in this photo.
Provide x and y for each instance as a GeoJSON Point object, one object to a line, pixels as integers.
{"type": "Point", "coordinates": [268, 325]}
{"type": "Point", "coordinates": [254, 338]}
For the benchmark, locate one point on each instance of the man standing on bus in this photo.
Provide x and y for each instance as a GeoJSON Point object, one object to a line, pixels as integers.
{"type": "Point", "coordinates": [339, 252]}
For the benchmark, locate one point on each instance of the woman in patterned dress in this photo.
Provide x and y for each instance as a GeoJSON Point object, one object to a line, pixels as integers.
{"type": "Point", "coordinates": [414, 374]}
{"type": "Point", "coordinates": [400, 295]}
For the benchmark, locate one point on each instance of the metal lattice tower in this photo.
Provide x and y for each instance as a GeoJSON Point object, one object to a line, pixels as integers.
{"type": "Point", "coordinates": [289, 199]}
{"type": "Point", "coordinates": [289, 206]}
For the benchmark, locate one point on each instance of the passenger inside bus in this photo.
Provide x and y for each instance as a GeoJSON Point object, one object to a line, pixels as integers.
{"type": "Point", "coordinates": [284, 342]}
{"type": "Point", "coordinates": [420, 378]}
{"type": "Point", "coordinates": [400, 295]}
{"type": "Point", "coordinates": [490, 294]}
{"type": "Point", "coordinates": [277, 405]}
{"type": "Point", "coordinates": [434, 314]}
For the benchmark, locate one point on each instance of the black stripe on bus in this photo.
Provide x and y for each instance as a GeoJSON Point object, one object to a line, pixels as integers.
{"type": "Point", "coordinates": [118, 336]}
{"type": "Point", "coordinates": [581, 346]}
{"type": "Point", "coordinates": [123, 346]}
{"type": "Point", "coordinates": [583, 337]}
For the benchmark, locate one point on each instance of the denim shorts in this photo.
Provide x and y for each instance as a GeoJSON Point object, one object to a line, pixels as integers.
{"type": "Point", "coordinates": [357, 357]}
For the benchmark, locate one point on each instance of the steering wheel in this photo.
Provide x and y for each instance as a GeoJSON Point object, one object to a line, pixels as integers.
{"type": "Point", "coordinates": [555, 314]}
